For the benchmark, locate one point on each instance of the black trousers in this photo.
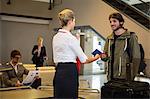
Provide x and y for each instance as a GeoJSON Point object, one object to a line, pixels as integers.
{"type": "Point", "coordinates": [66, 81]}
{"type": "Point", "coordinates": [38, 61]}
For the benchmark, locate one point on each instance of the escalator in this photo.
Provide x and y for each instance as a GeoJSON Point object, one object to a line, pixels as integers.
{"type": "Point", "coordinates": [139, 10]}
{"type": "Point", "coordinates": [144, 7]}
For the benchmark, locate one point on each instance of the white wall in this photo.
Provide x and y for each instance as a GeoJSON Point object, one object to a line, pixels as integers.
{"type": "Point", "coordinates": [23, 36]}
{"type": "Point", "coordinates": [26, 7]}
{"type": "Point", "coordinates": [88, 12]}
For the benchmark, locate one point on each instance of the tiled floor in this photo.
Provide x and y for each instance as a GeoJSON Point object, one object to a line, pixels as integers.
{"type": "Point", "coordinates": [95, 81]}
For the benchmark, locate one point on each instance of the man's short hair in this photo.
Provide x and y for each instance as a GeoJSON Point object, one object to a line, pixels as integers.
{"type": "Point", "coordinates": [117, 16]}
{"type": "Point", "coordinates": [66, 15]}
{"type": "Point", "coordinates": [14, 53]}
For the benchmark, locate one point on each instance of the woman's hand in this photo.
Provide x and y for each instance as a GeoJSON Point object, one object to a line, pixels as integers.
{"type": "Point", "coordinates": [36, 50]}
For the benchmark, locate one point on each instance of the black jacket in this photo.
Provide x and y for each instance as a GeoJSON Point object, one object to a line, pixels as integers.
{"type": "Point", "coordinates": [37, 58]}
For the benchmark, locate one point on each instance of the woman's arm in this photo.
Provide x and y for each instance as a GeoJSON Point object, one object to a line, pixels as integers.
{"type": "Point", "coordinates": [91, 59]}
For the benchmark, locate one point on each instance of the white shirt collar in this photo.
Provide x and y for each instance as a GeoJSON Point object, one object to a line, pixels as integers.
{"type": "Point", "coordinates": [13, 64]}
{"type": "Point", "coordinates": [63, 31]}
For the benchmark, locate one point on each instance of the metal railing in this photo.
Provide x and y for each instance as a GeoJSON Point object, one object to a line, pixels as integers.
{"type": "Point", "coordinates": [142, 5]}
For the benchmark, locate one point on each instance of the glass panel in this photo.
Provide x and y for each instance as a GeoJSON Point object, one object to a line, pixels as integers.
{"type": "Point", "coordinates": [92, 41]}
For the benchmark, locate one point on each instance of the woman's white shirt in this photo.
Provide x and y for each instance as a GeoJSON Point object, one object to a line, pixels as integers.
{"type": "Point", "coordinates": [66, 48]}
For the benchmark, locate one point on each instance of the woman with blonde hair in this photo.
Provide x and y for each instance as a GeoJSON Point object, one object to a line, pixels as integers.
{"type": "Point", "coordinates": [39, 53]}
{"type": "Point", "coordinates": [66, 49]}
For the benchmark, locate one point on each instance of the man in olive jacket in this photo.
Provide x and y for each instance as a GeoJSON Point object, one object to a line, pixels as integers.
{"type": "Point", "coordinates": [14, 76]}
{"type": "Point", "coordinates": [115, 50]}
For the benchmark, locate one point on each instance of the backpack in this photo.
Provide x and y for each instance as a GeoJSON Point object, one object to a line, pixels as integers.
{"type": "Point", "coordinates": [142, 61]}
{"type": "Point", "coordinates": [142, 65]}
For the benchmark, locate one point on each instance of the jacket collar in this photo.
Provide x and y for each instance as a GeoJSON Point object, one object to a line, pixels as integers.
{"type": "Point", "coordinates": [125, 35]}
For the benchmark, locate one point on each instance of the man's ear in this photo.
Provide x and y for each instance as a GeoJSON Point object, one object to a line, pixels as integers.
{"type": "Point", "coordinates": [121, 23]}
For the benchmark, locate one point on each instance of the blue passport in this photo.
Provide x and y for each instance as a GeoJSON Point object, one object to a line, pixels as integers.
{"type": "Point", "coordinates": [96, 51]}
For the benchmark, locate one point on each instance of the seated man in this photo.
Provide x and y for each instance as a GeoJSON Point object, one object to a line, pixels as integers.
{"type": "Point", "coordinates": [14, 76]}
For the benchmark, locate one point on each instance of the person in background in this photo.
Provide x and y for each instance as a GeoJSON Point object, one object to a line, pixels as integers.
{"type": "Point", "coordinates": [66, 49]}
{"type": "Point", "coordinates": [14, 76]}
{"type": "Point", "coordinates": [115, 49]}
{"type": "Point", "coordinates": [39, 53]}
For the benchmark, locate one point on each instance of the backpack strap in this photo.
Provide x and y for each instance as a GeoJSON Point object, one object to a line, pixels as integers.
{"type": "Point", "coordinates": [142, 51]}
{"type": "Point", "coordinates": [128, 47]}
{"type": "Point", "coordinates": [128, 65]}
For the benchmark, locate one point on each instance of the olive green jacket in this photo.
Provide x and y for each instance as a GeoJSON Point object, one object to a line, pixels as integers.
{"type": "Point", "coordinates": [11, 77]}
{"type": "Point", "coordinates": [121, 57]}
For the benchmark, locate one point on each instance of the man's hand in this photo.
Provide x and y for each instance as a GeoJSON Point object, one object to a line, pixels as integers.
{"type": "Point", "coordinates": [18, 84]}
{"type": "Point", "coordinates": [103, 55]}
{"type": "Point", "coordinates": [45, 58]}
